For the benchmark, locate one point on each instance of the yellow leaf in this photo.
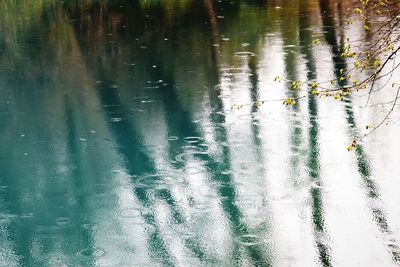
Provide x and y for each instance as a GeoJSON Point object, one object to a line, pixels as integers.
{"type": "Point", "coordinates": [358, 11]}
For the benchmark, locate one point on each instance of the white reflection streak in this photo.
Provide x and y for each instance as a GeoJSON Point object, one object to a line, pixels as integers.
{"type": "Point", "coordinates": [246, 169]}
{"type": "Point", "coordinates": [292, 230]}
{"type": "Point", "coordinates": [347, 218]}
{"type": "Point", "coordinates": [191, 184]}
{"type": "Point", "coordinates": [7, 254]}
{"type": "Point", "coordinates": [383, 148]}
{"type": "Point", "coordinates": [132, 224]}
{"type": "Point", "coordinates": [114, 229]}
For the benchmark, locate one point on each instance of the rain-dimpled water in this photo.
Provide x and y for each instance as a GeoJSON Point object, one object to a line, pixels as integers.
{"type": "Point", "coordinates": [153, 133]}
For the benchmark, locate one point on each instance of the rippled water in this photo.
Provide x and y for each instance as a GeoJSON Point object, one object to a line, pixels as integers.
{"type": "Point", "coordinates": [119, 146]}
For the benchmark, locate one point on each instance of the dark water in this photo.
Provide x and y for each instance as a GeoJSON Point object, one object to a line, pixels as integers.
{"type": "Point", "coordinates": [119, 146]}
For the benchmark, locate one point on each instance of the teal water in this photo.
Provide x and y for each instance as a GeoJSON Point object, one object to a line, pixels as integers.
{"type": "Point", "coordinates": [119, 146]}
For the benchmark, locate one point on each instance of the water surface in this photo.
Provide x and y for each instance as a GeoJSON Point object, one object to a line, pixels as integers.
{"type": "Point", "coordinates": [119, 145]}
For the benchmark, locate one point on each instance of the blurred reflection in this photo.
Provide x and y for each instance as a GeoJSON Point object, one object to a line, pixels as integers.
{"type": "Point", "coordinates": [313, 164]}
{"type": "Point", "coordinates": [363, 164]}
{"type": "Point", "coordinates": [120, 146]}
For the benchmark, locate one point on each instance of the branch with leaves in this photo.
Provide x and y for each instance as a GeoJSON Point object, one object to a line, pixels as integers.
{"type": "Point", "coordinates": [372, 57]}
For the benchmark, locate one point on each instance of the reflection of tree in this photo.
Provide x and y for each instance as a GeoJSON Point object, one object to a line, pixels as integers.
{"type": "Point", "coordinates": [290, 32]}
{"type": "Point", "coordinates": [313, 164]}
{"type": "Point", "coordinates": [180, 123]}
{"type": "Point", "coordinates": [290, 44]}
{"type": "Point", "coordinates": [224, 170]}
{"type": "Point", "coordinates": [104, 39]}
{"type": "Point", "coordinates": [137, 163]}
{"type": "Point", "coordinates": [38, 200]}
{"type": "Point", "coordinates": [364, 167]}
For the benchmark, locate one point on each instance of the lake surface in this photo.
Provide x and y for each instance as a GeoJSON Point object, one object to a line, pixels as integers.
{"type": "Point", "coordinates": [119, 145]}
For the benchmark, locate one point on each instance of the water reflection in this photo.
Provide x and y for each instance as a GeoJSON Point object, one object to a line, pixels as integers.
{"type": "Point", "coordinates": [313, 161]}
{"type": "Point", "coordinates": [363, 164]}
{"type": "Point", "coordinates": [119, 144]}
